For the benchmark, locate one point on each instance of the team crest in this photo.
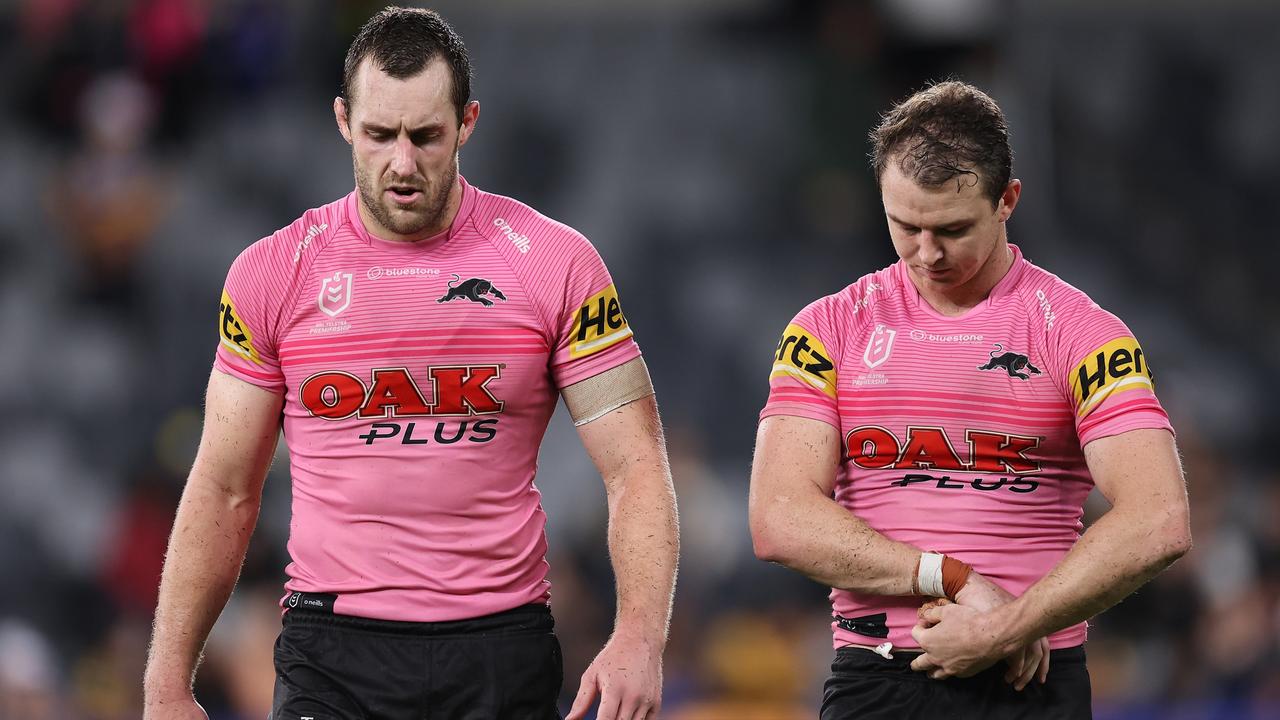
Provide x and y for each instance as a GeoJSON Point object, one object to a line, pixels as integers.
{"type": "Point", "coordinates": [1011, 362]}
{"type": "Point", "coordinates": [474, 289]}
{"type": "Point", "coordinates": [335, 293]}
{"type": "Point", "coordinates": [879, 346]}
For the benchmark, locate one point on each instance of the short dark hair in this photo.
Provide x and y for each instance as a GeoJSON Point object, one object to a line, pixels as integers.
{"type": "Point", "coordinates": [944, 131]}
{"type": "Point", "coordinates": [401, 42]}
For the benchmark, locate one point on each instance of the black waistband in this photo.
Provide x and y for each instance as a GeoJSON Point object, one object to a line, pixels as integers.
{"type": "Point", "coordinates": [846, 656]}
{"type": "Point", "coordinates": [526, 618]}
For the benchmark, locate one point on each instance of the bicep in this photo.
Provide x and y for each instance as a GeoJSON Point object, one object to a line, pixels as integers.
{"type": "Point", "coordinates": [793, 455]}
{"type": "Point", "coordinates": [1138, 467]}
{"type": "Point", "coordinates": [241, 426]}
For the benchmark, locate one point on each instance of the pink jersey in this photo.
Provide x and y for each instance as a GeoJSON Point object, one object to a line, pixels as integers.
{"type": "Point", "coordinates": [963, 435]}
{"type": "Point", "coordinates": [418, 381]}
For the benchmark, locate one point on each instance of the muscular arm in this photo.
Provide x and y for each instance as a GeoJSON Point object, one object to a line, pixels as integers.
{"type": "Point", "coordinates": [627, 447]}
{"type": "Point", "coordinates": [215, 519]}
{"type": "Point", "coordinates": [795, 522]}
{"type": "Point", "coordinates": [1147, 528]}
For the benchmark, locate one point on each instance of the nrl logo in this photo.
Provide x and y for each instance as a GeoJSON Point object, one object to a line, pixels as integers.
{"type": "Point", "coordinates": [335, 294]}
{"type": "Point", "coordinates": [879, 346]}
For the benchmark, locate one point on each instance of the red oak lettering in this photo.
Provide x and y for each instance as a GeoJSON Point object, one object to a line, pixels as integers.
{"type": "Point", "coordinates": [874, 447]}
{"type": "Point", "coordinates": [996, 452]}
{"type": "Point", "coordinates": [928, 448]}
{"type": "Point", "coordinates": [460, 388]}
{"type": "Point", "coordinates": [335, 395]}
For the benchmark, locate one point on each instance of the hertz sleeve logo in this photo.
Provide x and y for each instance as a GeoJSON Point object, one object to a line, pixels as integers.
{"type": "Point", "coordinates": [1118, 366]}
{"type": "Point", "coordinates": [599, 324]}
{"type": "Point", "coordinates": [802, 355]}
{"type": "Point", "coordinates": [234, 334]}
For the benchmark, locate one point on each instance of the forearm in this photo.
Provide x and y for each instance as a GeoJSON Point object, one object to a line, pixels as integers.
{"type": "Point", "coordinates": [814, 535]}
{"type": "Point", "coordinates": [206, 549]}
{"type": "Point", "coordinates": [1117, 555]}
{"type": "Point", "coordinates": [644, 547]}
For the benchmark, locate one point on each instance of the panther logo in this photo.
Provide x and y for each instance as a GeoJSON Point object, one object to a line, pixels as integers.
{"type": "Point", "coordinates": [1011, 362]}
{"type": "Point", "coordinates": [473, 289]}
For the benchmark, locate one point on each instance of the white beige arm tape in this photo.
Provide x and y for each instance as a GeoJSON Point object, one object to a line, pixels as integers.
{"type": "Point", "coordinates": [600, 394]}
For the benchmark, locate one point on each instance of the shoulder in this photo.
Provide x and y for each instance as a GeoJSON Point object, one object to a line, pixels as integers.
{"type": "Point", "coordinates": [524, 234]}
{"type": "Point", "coordinates": [290, 250]}
{"type": "Point", "coordinates": [853, 307]}
{"type": "Point", "coordinates": [1061, 308]}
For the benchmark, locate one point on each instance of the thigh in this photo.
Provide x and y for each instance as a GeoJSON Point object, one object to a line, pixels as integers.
{"type": "Point", "coordinates": [864, 685]}
{"type": "Point", "coordinates": [496, 676]}
{"type": "Point", "coordinates": [1064, 696]}
{"type": "Point", "coordinates": [330, 671]}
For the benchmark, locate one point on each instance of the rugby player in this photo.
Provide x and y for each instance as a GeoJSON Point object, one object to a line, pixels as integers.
{"type": "Point", "coordinates": [412, 339]}
{"type": "Point", "coordinates": [933, 430]}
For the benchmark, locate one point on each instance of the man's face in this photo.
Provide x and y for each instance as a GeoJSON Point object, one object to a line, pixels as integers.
{"type": "Point", "coordinates": [404, 137]}
{"type": "Point", "coordinates": [945, 237]}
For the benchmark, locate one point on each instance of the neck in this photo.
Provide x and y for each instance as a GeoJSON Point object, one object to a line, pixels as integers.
{"type": "Point", "coordinates": [450, 211]}
{"type": "Point", "coordinates": [959, 299]}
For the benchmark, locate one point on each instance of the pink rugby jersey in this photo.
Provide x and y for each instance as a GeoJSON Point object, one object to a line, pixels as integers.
{"type": "Point", "coordinates": [963, 435]}
{"type": "Point", "coordinates": [418, 380]}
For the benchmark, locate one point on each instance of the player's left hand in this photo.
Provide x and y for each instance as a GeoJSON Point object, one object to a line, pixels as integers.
{"type": "Point", "coordinates": [627, 675]}
{"type": "Point", "coordinates": [958, 641]}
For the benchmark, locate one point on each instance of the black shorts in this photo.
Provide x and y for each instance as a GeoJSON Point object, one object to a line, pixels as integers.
{"type": "Point", "coordinates": [337, 667]}
{"type": "Point", "coordinates": [865, 685]}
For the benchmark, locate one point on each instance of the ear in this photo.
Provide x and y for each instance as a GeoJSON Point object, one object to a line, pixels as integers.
{"type": "Point", "coordinates": [470, 114]}
{"type": "Point", "coordinates": [344, 122]}
{"type": "Point", "coordinates": [1009, 199]}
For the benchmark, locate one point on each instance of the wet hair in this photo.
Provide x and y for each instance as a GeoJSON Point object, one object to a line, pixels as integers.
{"type": "Point", "coordinates": [948, 130]}
{"type": "Point", "coordinates": [401, 42]}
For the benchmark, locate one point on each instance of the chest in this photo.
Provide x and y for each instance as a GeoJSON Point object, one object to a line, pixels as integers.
{"type": "Point", "coordinates": [924, 396]}
{"type": "Point", "coordinates": [377, 336]}
{"type": "Point", "coordinates": [1002, 363]}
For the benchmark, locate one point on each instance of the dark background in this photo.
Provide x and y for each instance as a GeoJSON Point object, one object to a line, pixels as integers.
{"type": "Point", "coordinates": [715, 152]}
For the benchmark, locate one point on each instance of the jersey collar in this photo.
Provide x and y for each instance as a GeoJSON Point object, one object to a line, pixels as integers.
{"type": "Point", "coordinates": [1005, 286]}
{"type": "Point", "coordinates": [460, 220]}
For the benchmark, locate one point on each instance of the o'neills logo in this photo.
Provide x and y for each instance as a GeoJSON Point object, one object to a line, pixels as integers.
{"type": "Point", "coordinates": [458, 390]}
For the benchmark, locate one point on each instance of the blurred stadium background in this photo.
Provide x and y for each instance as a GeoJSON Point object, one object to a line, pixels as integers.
{"type": "Point", "coordinates": [715, 153]}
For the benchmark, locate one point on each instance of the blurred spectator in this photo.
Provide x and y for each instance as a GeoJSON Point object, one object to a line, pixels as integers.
{"type": "Point", "coordinates": [29, 683]}
{"type": "Point", "coordinates": [110, 196]}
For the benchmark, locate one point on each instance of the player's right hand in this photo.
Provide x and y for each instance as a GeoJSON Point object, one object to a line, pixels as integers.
{"type": "Point", "coordinates": [174, 707]}
{"type": "Point", "coordinates": [1031, 661]}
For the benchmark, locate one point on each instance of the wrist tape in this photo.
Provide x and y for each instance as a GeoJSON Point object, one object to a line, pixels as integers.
{"type": "Point", "coordinates": [940, 576]}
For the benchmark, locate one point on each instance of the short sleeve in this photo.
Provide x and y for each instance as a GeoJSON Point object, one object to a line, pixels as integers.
{"type": "Point", "coordinates": [1103, 371]}
{"type": "Point", "coordinates": [802, 380]}
{"type": "Point", "coordinates": [246, 336]}
{"type": "Point", "coordinates": [591, 333]}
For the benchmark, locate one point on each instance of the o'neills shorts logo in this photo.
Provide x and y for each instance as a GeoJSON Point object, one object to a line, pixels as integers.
{"type": "Point", "coordinates": [233, 333]}
{"type": "Point", "coordinates": [336, 395]}
{"type": "Point", "coordinates": [802, 355]}
{"type": "Point", "coordinates": [599, 324]}
{"type": "Point", "coordinates": [1116, 367]}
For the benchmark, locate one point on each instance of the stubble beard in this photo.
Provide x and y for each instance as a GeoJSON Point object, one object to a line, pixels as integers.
{"type": "Point", "coordinates": [427, 214]}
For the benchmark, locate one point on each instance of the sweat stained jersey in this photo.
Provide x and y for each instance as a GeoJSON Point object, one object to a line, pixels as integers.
{"type": "Point", "coordinates": [418, 380]}
{"type": "Point", "coordinates": [963, 435]}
